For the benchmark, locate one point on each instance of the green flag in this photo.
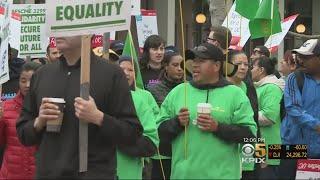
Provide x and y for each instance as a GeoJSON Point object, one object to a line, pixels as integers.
{"type": "Point", "coordinates": [129, 50]}
{"type": "Point", "coordinates": [267, 20]}
{"type": "Point", "coordinates": [247, 8]}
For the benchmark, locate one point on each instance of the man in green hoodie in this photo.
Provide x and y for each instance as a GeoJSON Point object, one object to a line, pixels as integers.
{"type": "Point", "coordinates": [130, 158]}
{"type": "Point", "coordinates": [208, 149]}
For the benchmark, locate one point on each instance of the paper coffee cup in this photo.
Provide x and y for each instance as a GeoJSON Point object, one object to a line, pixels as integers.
{"type": "Point", "coordinates": [203, 108]}
{"type": "Point", "coordinates": [55, 125]}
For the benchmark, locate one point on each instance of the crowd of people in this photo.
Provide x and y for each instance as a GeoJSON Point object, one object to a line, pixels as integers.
{"type": "Point", "coordinates": [174, 127]}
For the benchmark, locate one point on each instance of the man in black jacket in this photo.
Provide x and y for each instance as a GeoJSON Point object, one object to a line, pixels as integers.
{"type": "Point", "coordinates": [109, 112]}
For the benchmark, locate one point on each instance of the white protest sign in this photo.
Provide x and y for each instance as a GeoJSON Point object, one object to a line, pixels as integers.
{"type": "Point", "coordinates": [308, 169]}
{"type": "Point", "coordinates": [146, 25]}
{"type": "Point", "coordinates": [135, 7]}
{"type": "Point", "coordinates": [274, 40]}
{"type": "Point", "coordinates": [4, 40]}
{"type": "Point", "coordinates": [82, 17]}
{"type": "Point", "coordinates": [33, 41]}
{"type": "Point", "coordinates": [239, 27]}
{"type": "Point", "coordinates": [15, 30]}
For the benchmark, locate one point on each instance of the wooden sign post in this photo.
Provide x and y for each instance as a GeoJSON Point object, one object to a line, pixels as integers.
{"type": "Point", "coordinates": [106, 45]}
{"type": "Point", "coordinates": [84, 93]}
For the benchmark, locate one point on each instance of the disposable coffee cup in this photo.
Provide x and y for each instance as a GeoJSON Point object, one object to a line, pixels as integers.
{"type": "Point", "coordinates": [55, 125]}
{"type": "Point", "coordinates": [203, 109]}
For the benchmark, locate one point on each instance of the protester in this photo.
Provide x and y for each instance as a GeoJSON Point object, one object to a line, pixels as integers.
{"type": "Point", "coordinates": [212, 150]}
{"type": "Point", "coordinates": [218, 36]}
{"type": "Point", "coordinates": [262, 51]}
{"type": "Point", "coordinates": [150, 62]}
{"type": "Point", "coordinates": [11, 87]}
{"type": "Point", "coordinates": [40, 61]}
{"type": "Point", "coordinates": [109, 112]}
{"type": "Point", "coordinates": [130, 158]}
{"type": "Point", "coordinates": [18, 161]}
{"type": "Point", "coordinates": [301, 124]}
{"type": "Point", "coordinates": [170, 77]}
{"type": "Point", "coordinates": [287, 65]}
{"type": "Point", "coordinates": [242, 79]}
{"type": "Point", "coordinates": [53, 54]}
{"type": "Point", "coordinates": [269, 90]}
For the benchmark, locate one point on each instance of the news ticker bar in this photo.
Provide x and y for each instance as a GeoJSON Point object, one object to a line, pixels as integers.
{"type": "Point", "coordinates": [279, 151]}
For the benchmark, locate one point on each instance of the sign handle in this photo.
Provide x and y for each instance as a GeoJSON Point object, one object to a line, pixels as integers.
{"type": "Point", "coordinates": [84, 93]}
{"type": "Point", "coordinates": [106, 45]}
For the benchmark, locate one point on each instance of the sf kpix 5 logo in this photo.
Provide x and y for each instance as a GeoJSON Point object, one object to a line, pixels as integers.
{"type": "Point", "coordinates": [255, 153]}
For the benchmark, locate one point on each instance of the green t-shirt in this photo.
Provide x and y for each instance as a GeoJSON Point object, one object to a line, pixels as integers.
{"type": "Point", "coordinates": [243, 86]}
{"type": "Point", "coordinates": [131, 167]}
{"type": "Point", "coordinates": [269, 97]}
{"type": "Point", "coordinates": [208, 157]}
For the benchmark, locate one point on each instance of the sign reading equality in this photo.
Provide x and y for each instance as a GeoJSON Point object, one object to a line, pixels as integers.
{"type": "Point", "coordinates": [83, 17]}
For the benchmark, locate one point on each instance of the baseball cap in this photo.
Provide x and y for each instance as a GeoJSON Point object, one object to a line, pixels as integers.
{"type": "Point", "coordinates": [117, 46]}
{"type": "Point", "coordinates": [209, 51]}
{"type": "Point", "coordinates": [206, 51]}
{"type": "Point", "coordinates": [99, 52]}
{"type": "Point", "coordinates": [310, 47]}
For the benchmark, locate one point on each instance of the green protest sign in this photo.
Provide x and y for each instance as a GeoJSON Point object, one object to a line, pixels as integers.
{"type": "Point", "coordinates": [70, 18]}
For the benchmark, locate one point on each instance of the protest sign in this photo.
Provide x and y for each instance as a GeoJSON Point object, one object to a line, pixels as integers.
{"type": "Point", "coordinates": [4, 40]}
{"type": "Point", "coordinates": [239, 27]}
{"type": "Point", "coordinates": [135, 7]}
{"type": "Point", "coordinates": [33, 41]}
{"type": "Point", "coordinates": [146, 25]}
{"type": "Point", "coordinates": [274, 40]}
{"type": "Point", "coordinates": [15, 30]}
{"type": "Point", "coordinates": [82, 17]}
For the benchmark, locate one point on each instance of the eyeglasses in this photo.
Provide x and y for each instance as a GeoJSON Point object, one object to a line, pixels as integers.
{"type": "Point", "coordinates": [211, 39]}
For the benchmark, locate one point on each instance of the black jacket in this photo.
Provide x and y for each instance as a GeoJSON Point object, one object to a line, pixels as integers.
{"type": "Point", "coordinates": [57, 156]}
{"type": "Point", "coordinates": [162, 89]}
{"type": "Point", "coordinates": [150, 76]}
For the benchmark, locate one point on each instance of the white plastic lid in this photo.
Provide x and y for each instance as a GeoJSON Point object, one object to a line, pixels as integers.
{"type": "Point", "coordinates": [57, 100]}
{"type": "Point", "coordinates": [204, 108]}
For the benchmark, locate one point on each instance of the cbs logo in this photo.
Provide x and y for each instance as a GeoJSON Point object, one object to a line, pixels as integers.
{"type": "Point", "coordinates": [258, 150]}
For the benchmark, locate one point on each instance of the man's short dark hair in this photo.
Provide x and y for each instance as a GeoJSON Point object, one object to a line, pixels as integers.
{"type": "Point", "coordinates": [263, 50]}
{"type": "Point", "coordinates": [48, 49]}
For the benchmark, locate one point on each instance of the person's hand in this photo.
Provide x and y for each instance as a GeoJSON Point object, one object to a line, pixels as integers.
{"type": "Point", "coordinates": [88, 111]}
{"type": "Point", "coordinates": [207, 123]}
{"type": "Point", "coordinates": [184, 117]}
{"type": "Point", "coordinates": [47, 111]}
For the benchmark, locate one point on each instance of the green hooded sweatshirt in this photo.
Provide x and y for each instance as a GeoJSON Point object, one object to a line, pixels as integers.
{"type": "Point", "coordinates": [208, 156]}
{"type": "Point", "coordinates": [146, 107]}
{"type": "Point", "coordinates": [269, 92]}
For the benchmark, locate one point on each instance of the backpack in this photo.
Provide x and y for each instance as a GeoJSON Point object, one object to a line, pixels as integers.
{"type": "Point", "coordinates": [300, 81]}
